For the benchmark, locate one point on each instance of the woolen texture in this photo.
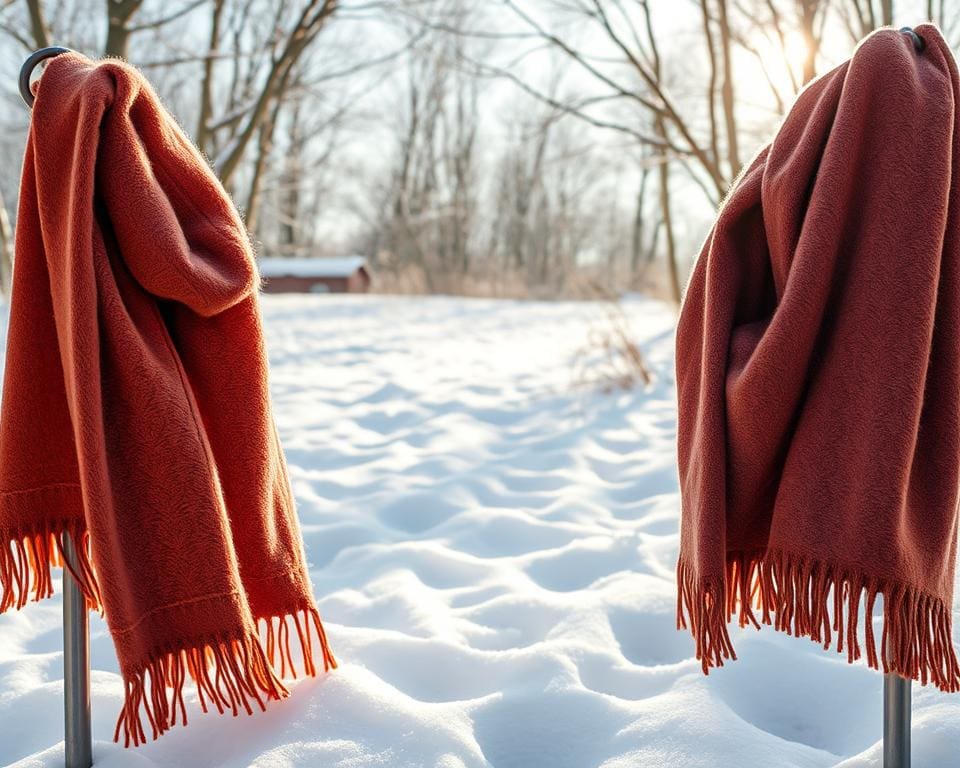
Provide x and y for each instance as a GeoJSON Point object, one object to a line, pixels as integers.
{"type": "Point", "coordinates": [818, 374]}
{"type": "Point", "coordinates": [136, 413]}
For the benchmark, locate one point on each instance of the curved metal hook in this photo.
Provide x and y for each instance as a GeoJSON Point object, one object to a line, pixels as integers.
{"type": "Point", "coordinates": [27, 69]}
{"type": "Point", "coordinates": [918, 42]}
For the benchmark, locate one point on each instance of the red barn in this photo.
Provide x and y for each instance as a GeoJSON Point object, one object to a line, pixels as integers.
{"type": "Point", "coordinates": [348, 274]}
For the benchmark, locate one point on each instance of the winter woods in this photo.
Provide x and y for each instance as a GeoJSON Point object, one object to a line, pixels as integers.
{"type": "Point", "coordinates": [511, 147]}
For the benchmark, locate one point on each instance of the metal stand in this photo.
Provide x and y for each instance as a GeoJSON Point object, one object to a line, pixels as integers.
{"type": "Point", "coordinates": [896, 689]}
{"type": "Point", "coordinates": [77, 732]}
{"type": "Point", "coordinates": [76, 668]}
{"type": "Point", "coordinates": [896, 721]}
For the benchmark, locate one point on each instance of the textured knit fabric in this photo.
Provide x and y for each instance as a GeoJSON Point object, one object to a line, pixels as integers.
{"type": "Point", "coordinates": [818, 374]}
{"type": "Point", "coordinates": [136, 414]}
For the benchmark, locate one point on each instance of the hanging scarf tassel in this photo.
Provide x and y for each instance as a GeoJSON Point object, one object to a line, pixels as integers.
{"type": "Point", "coordinates": [806, 598]}
{"type": "Point", "coordinates": [26, 559]}
{"type": "Point", "coordinates": [233, 673]}
{"type": "Point", "coordinates": [277, 642]}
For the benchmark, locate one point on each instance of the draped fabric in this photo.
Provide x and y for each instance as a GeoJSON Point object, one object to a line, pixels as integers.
{"type": "Point", "coordinates": [136, 415]}
{"type": "Point", "coordinates": [818, 374]}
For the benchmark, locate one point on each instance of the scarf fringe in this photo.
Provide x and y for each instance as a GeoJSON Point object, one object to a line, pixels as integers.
{"type": "Point", "coordinates": [26, 559]}
{"type": "Point", "coordinates": [278, 642]}
{"type": "Point", "coordinates": [232, 674]}
{"type": "Point", "coordinates": [808, 598]}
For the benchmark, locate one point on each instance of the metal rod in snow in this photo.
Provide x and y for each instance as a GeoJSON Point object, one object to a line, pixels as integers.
{"type": "Point", "coordinates": [896, 721]}
{"type": "Point", "coordinates": [76, 668]}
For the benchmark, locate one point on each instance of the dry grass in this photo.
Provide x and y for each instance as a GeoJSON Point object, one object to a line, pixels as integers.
{"type": "Point", "coordinates": [611, 359]}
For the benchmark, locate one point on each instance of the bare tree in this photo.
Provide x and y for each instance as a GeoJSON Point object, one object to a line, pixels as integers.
{"type": "Point", "coordinates": [206, 84]}
{"type": "Point", "coordinates": [120, 26]}
{"type": "Point", "coordinates": [605, 128]}
{"type": "Point", "coordinates": [120, 14]}
{"type": "Point", "coordinates": [812, 15]}
{"type": "Point", "coordinates": [864, 16]}
{"type": "Point", "coordinates": [38, 24]}
{"type": "Point", "coordinates": [729, 101]}
{"type": "Point", "coordinates": [430, 209]}
{"type": "Point", "coordinates": [633, 40]}
{"type": "Point", "coordinates": [294, 43]}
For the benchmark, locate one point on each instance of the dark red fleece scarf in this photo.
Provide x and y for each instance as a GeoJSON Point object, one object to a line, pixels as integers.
{"type": "Point", "coordinates": [818, 373]}
{"type": "Point", "coordinates": [136, 413]}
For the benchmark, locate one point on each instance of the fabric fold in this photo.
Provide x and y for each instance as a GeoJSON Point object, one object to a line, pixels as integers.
{"type": "Point", "coordinates": [136, 412]}
{"type": "Point", "coordinates": [818, 374]}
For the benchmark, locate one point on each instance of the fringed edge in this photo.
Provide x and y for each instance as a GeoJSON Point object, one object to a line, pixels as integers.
{"type": "Point", "coordinates": [232, 674]}
{"type": "Point", "coordinates": [26, 559]}
{"type": "Point", "coordinates": [277, 641]}
{"type": "Point", "coordinates": [808, 598]}
{"type": "Point", "coordinates": [702, 603]}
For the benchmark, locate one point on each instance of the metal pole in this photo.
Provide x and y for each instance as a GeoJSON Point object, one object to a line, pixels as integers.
{"type": "Point", "coordinates": [896, 721]}
{"type": "Point", "coordinates": [76, 668]}
{"type": "Point", "coordinates": [77, 735]}
{"type": "Point", "coordinates": [896, 689]}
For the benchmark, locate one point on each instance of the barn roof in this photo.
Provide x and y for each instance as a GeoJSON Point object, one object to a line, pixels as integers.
{"type": "Point", "coordinates": [311, 267]}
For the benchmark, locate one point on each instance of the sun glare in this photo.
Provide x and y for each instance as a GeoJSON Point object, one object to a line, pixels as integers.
{"type": "Point", "coordinates": [795, 51]}
{"type": "Point", "coordinates": [771, 61]}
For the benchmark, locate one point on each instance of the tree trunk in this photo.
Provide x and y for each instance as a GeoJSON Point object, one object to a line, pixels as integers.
{"type": "Point", "coordinates": [636, 243]}
{"type": "Point", "coordinates": [675, 286]}
{"type": "Point", "coordinates": [311, 21]}
{"type": "Point", "coordinates": [886, 7]}
{"type": "Point", "coordinates": [38, 25]}
{"type": "Point", "coordinates": [206, 85]}
{"type": "Point", "coordinates": [119, 14]}
{"type": "Point", "coordinates": [808, 16]}
{"type": "Point", "coordinates": [729, 101]}
{"type": "Point", "coordinates": [712, 83]}
{"type": "Point", "coordinates": [264, 146]}
{"type": "Point", "coordinates": [292, 179]}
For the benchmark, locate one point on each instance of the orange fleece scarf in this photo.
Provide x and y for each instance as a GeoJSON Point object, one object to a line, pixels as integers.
{"type": "Point", "coordinates": [136, 413]}
{"type": "Point", "coordinates": [818, 373]}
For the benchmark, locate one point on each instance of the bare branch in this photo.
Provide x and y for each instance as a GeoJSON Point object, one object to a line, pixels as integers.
{"type": "Point", "coordinates": [580, 59]}
{"type": "Point", "coordinates": [190, 6]}
{"type": "Point", "coordinates": [576, 110]}
{"type": "Point", "coordinates": [311, 21]}
{"type": "Point", "coordinates": [17, 35]}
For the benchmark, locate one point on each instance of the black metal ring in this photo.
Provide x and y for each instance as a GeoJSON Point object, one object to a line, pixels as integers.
{"type": "Point", "coordinates": [918, 41]}
{"type": "Point", "coordinates": [27, 69]}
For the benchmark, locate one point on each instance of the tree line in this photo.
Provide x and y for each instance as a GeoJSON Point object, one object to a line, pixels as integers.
{"type": "Point", "coordinates": [509, 147]}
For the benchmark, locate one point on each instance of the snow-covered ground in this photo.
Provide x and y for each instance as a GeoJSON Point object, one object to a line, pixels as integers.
{"type": "Point", "coordinates": [493, 550]}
